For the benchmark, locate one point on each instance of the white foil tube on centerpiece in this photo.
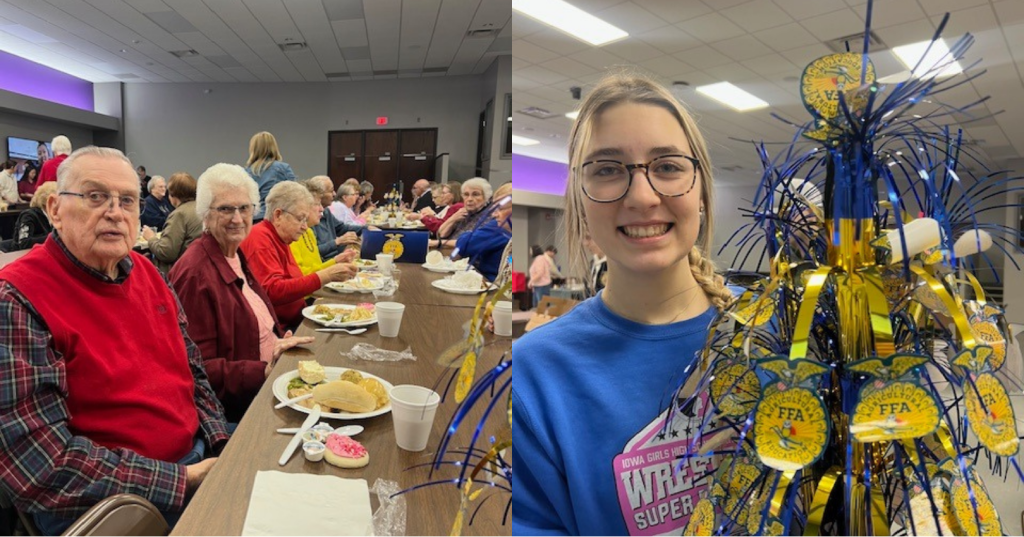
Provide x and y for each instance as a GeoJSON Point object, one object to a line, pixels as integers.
{"type": "Point", "coordinates": [920, 234]}
{"type": "Point", "coordinates": [972, 242]}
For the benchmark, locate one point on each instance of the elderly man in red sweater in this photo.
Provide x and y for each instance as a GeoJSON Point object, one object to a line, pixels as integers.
{"type": "Point", "coordinates": [103, 392]}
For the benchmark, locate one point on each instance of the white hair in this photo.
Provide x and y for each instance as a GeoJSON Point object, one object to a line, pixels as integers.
{"type": "Point", "coordinates": [319, 185]}
{"type": "Point", "coordinates": [61, 145]}
{"type": "Point", "coordinates": [285, 196]}
{"type": "Point", "coordinates": [65, 172]}
{"type": "Point", "coordinates": [221, 178]}
{"type": "Point", "coordinates": [478, 183]}
{"type": "Point", "coordinates": [153, 180]}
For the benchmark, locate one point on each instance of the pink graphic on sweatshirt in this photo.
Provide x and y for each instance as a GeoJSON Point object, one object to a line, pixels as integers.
{"type": "Point", "coordinates": [655, 499]}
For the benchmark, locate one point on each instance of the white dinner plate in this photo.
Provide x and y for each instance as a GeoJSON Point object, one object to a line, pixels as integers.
{"type": "Point", "coordinates": [307, 312]}
{"type": "Point", "coordinates": [446, 286]}
{"type": "Point", "coordinates": [365, 263]}
{"type": "Point", "coordinates": [332, 373]}
{"type": "Point", "coordinates": [349, 286]}
{"type": "Point", "coordinates": [445, 267]}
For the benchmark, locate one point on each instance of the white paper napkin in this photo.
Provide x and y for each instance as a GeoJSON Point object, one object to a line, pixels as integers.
{"type": "Point", "coordinates": [304, 504]}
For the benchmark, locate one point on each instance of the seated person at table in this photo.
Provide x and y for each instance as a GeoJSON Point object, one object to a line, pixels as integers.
{"type": "Point", "coordinates": [8, 184]}
{"type": "Point", "coordinates": [230, 316]}
{"type": "Point", "coordinates": [306, 250]}
{"type": "Point", "coordinates": [423, 196]}
{"type": "Point", "coordinates": [364, 204]}
{"type": "Point", "coordinates": [156, 209]}
{"type": "Point", "coordinates": [183, 224]}
{"type": "Point", "coordinates": [33, 225]}
{"type": "Point", "coordinates": [476, 199]}
{"type": "Point", "coordinates": [332, 235]}
{"type": "Point", "coordinates": [29, 182]}
{"type": "Point", "coordinates": [271, 260]}
{"type": "Point", "coordinates": [484, 246]}
{"type": "Point", "coordinates": [446, 207]}
{"type": "Point", "coordinates": [104, 391]}
{"type": "Point", "coordinates": [61, 149]}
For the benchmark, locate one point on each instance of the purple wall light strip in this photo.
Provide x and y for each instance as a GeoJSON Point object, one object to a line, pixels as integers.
{"type": "Point", "coordinates": [540, 176]}
{"type": "Point", "coordinates": [26, 77]}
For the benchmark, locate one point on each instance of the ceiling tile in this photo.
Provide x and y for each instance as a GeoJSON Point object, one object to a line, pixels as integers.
{"type": "Point", "coordinates": [670, 39]}
{"type": "Point", "coordinates": [732, 72]}
{"type": "Point", "coordinates": [757, 15]}
{"type": "Point", "coordinates": [703, 57]}
{"type": "Point", "coordinates": [939, 7]}
{"type": "Point", "coordinates": [631, 18]}
{"type": "Point", "coordinates": [892, 12]}
{"type": "Point", "coordinates": [711, 27]}
{"type": "Point", "coordinates": [597, 58]}
{"type": "Point", "coordinates": [526, 51]}
{"type": "Point", "coordinates": [786, 37]}
{"type": "Point", "coordinates": [556, 41]}
{"type": "Point", "coordinates": [770, 64]}
{"type": "Point", "coordinates": [633, 50]}
{"type": "Point", "coordinates": [802, 9]}
{"type": "Point", "coordinates": [835, 24]}
{"type": "Point", "coordinates": [1009, 11]}
{"type": "Point", "coordinates": [521, 25]}
{"type": "Point", "coordinates": [740, 48]}
{"type": "Point", "coordinates": [541, 75]}
{"type": "Point", "coordinates": [568, 67]}
{"type": "Point", "coordinates": [674, 12]}
{"type": "Point", "coordinates": [668, 67]}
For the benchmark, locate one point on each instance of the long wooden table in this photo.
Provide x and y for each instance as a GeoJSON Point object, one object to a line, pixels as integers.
{"type": "Point", "coordinates": [221, 504]}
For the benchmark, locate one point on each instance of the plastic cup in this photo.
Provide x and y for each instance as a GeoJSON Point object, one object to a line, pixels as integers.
{"type": "Point", "coordinates": [503, 318]}
{"type": "Point", "coordinates": [384, 262]}
{"type": "Point", "coordinates": [396, 276]}
{"type": "Point", "coordinates": [413, 409]}
{"type": "Point", "coordinates": [389, 318]}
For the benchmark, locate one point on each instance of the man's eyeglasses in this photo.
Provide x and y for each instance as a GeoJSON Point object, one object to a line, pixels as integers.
{"type": "Point", "coordinates": [98, 198]}
{"type": "Point", "coordinates": [605, 181]}
{"type": "Point", "coordinates": [228, 211]}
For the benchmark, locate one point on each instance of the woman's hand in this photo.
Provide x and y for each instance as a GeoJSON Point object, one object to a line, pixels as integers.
{"type": "Point", "coordinates": [459, 215]}
{"type": "Point", "coordinates": [347, 256]}
{"type": "Point", "coordinates": [148, 233]}
{"type": "Point", "coordinates": [427, 211]}
{"type": "Point", "coordinates": [412, 217]}
{"type": "Point", "coordinates": [348, 238]}
{"type": "Point", "coordinates": [337, 273]}
{"type": "Point", "coordinates": [283, 344]}
{"type": "Point", "coordinates": [366, 214]}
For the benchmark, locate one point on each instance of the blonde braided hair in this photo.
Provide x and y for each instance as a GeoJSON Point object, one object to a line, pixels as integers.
{"type": "Point", "coordinates": [703, 270]}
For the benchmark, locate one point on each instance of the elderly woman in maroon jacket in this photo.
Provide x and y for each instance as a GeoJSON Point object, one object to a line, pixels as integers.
{"type": "Point", "coordinates": [230, 316]}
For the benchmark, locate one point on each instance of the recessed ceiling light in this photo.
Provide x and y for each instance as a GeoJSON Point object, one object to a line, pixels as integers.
{"type": "Point", "coordinates": [573, 115]}
{"type": "Point", "coordinates": [937, 55]}
{"type": "Point", "coordinates": [522, 140]}
{"type": "Point", "coordinates": [571, 20]}
{"type": "Point", "coordinates": [732, 96]}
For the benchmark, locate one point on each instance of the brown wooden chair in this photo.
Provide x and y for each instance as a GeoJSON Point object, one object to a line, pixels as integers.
{"type": "Point", "coordinates": [123, 514]}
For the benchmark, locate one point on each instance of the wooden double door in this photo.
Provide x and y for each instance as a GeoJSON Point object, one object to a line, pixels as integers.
{"type": "Point", "coordinates": [382, 157]}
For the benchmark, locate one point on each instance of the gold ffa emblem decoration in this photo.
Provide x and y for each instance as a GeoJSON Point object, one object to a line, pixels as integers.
{"type": "Point", "coordinates": [891, 405]}
{"type": "Point", "coordinates": [791, 426]}
{"type": "Point", "coordinates": [702, 521]}
{"type": "Point", "coordinates": [732, 480]}
{"type": "Point", "coordinates": [822, 82]}
{"type": "Point", "coordinates": [964, 509]}
{"type": "Point", "coordinates": [734, 384]}
{"type": "Point", "coordinates": [394, 245]}
{"type": "Point", "coordinates": [989, 411]}
{"type": "Point", "coordinates": [985, 325]}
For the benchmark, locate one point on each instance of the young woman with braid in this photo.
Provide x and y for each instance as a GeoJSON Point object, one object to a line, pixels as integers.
{"type": "Point", "coordinates": [595, 451]}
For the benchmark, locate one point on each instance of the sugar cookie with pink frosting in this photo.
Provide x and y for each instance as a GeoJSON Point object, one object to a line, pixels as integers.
{"type": "Point", "coordinates": [344, 452]}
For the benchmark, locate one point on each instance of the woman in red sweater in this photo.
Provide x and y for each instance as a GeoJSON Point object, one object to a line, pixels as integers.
{"type": "Point", "coordinates": [443, 198]}
{"type": "Point", "coordinates": [270, 257]}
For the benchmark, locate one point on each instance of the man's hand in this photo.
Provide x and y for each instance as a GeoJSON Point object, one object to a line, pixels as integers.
{"type": "Point", "coordinates": [148, 233]}
{"type": "Point", "coordinates": [196, 473]}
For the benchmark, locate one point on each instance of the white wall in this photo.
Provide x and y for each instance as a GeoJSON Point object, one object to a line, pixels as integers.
{"type": "Point", "coordinates": [1013, 279]}
{"type": "Point", "coordinates": [172, 127]}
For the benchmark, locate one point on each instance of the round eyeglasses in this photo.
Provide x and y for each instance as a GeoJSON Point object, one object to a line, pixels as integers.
{"type": "Point", "coordinates": [605, 181]}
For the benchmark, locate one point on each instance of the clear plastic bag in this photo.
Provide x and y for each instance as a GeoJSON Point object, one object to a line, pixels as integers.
{"type": "Point", "coordinates": [365, 351]}
{"type": "Point", "coordinates": [389, 519]}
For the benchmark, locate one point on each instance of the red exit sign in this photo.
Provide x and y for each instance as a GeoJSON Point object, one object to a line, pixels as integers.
{"type": "Point", "coordinates": [382, 120]}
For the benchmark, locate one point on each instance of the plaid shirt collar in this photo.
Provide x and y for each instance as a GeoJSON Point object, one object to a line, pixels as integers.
{"type": "Point", "coordinates": [124, 266]}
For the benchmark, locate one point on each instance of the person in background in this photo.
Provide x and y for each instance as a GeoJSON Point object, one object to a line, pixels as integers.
{"type": "Point", "coordinates": [365, 204]}
{"type": "Point", "coordinates": [266, 167]}
{"type": "Point", "coordinates": [157, 208]}
{"type": "Point", "coordinates": [556, 273]}
{"type": "Point", "coordinates": [341, 210]}
{"type": "Point", "coordinates": [424, 197]}
{"type": "Point", "coordinates": [43, 154]}
{"type": "Point", "coordinates": [476, 199]}
{"type": "Point", "coordinates": [598, 267]}
{"type": "Point", "coordinates": [540, 274]}
{"type": "Point", "coordinates": [29, 182]}
{"type": "Point", "coordinates": [270, 257]}
{"type": "Point", "coordinates": [332, 236]}
{"type": "Point", "coordinates": [432, 219]}
{"type": "Point", "coordinates": [143, 180]}
{"type": "Point", "coordinates": [485, 246]}
{"type": "Point", "coordinates": [61, 149]}
{"type": "Point", "coordinates": [33, 225]}
{"type": "Point", "coordinates": [183, 224]}
{"type": "Point", "coordinates": [230, 316]}
{"type": "Point", "coordinates": [105, 393]}
{"type": "Point", "coordinates": [8, 186]}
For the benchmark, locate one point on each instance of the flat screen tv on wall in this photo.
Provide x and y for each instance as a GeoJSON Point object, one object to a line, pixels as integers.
{"type": "Point", "coordinates": [26, 153]}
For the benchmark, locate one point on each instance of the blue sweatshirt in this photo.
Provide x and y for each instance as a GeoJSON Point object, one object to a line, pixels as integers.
{"type": "Point", "coordinates": [590, 455]}
{"type": "Point", "coordinates": [484, 247]}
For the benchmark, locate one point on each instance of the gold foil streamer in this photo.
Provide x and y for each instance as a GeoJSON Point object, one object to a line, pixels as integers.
{"type": "Point", "coordinates": [881, 325]}
{"type": "Point", "coordinates": [821, 496]}
{"type": "Point", "coordinates": [802, 331]}
{"type": "Point", "coordinates": [959, 318]}
{"type": "Point", "coordinates": [780, 492]}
